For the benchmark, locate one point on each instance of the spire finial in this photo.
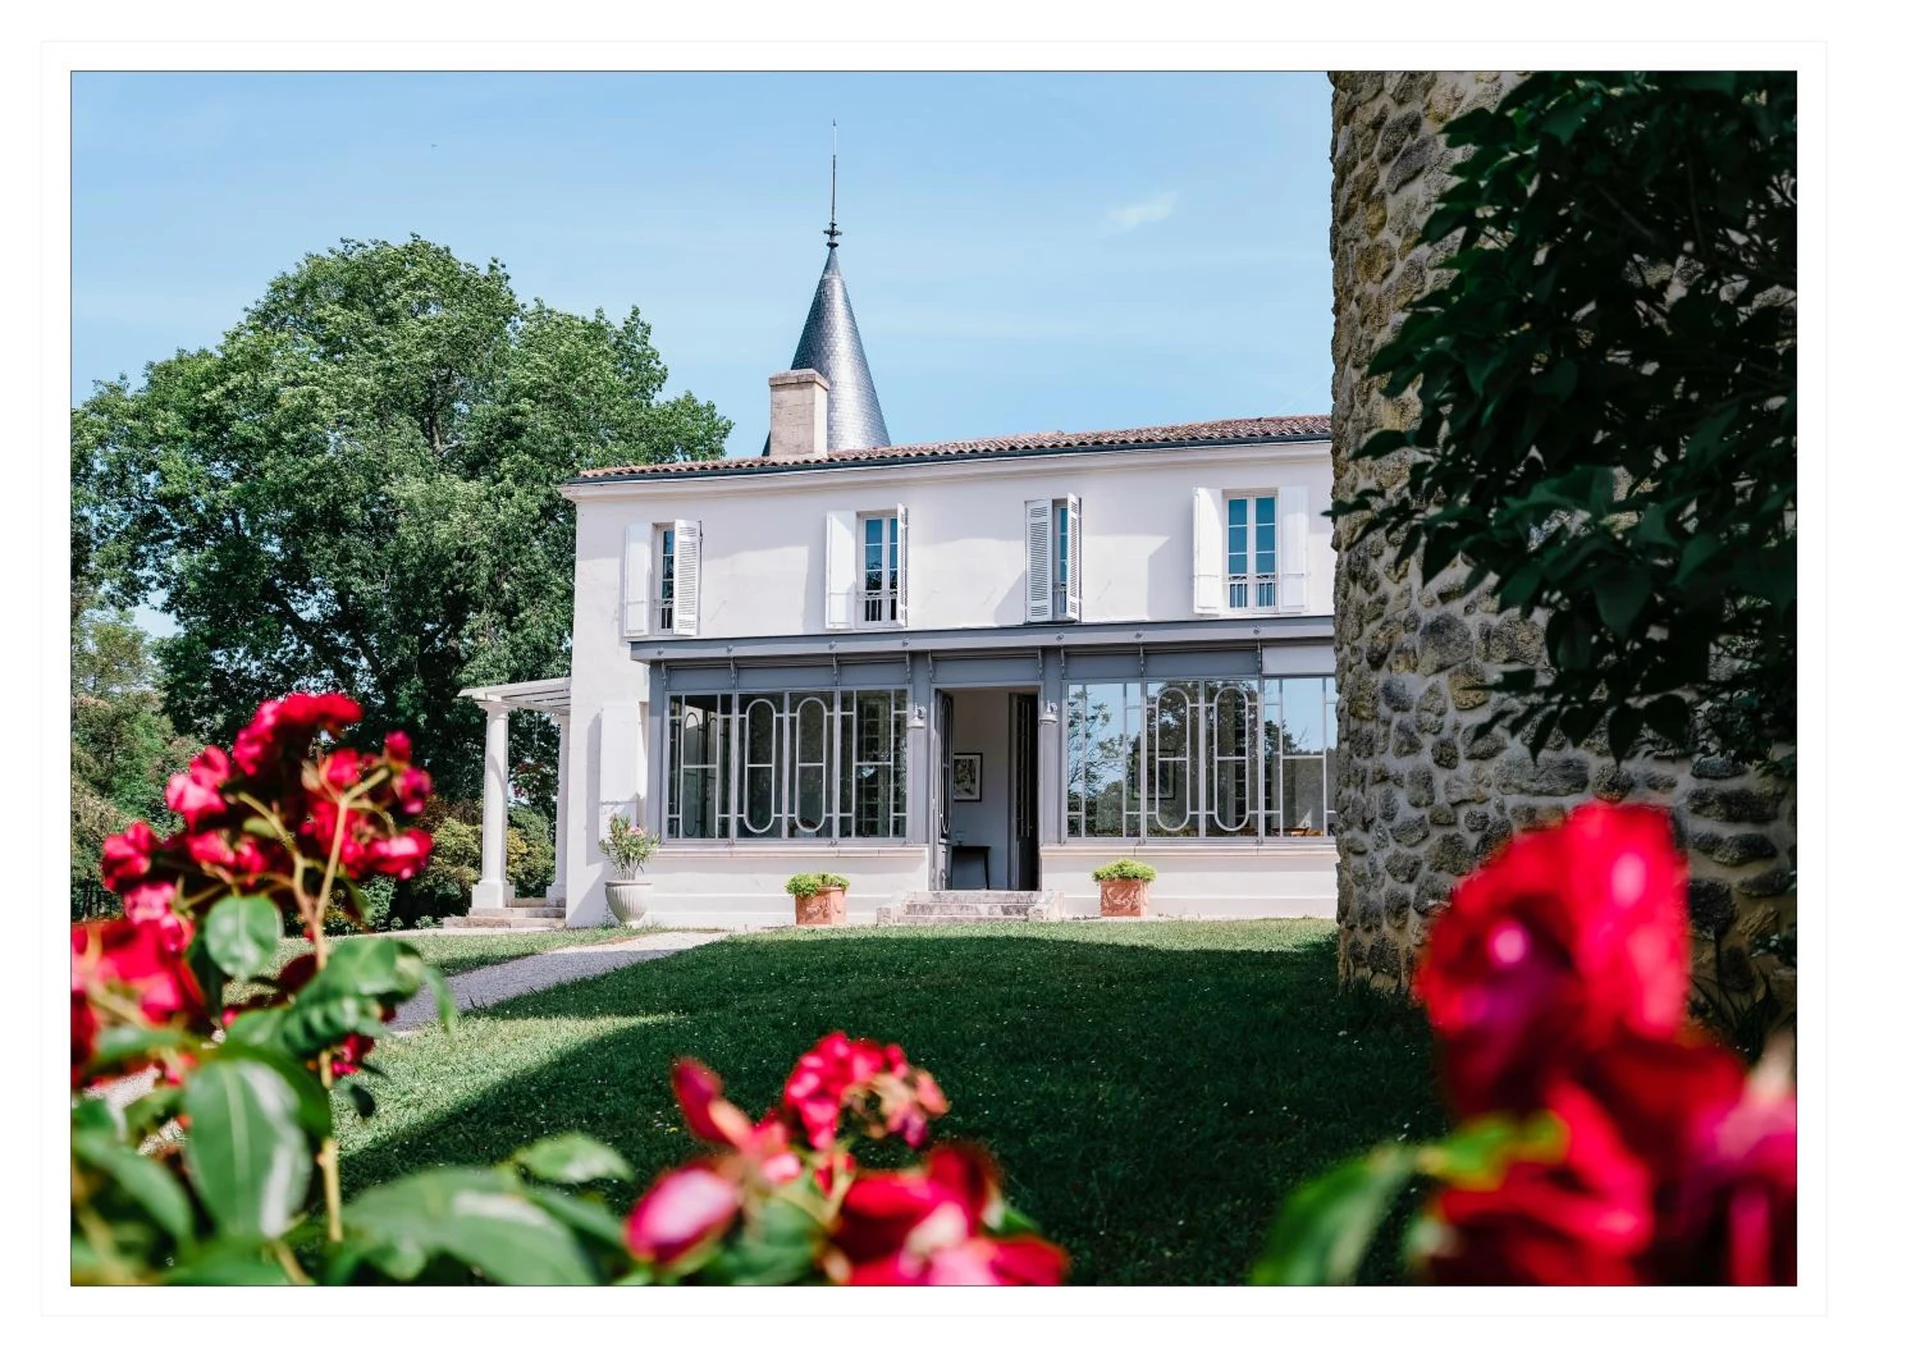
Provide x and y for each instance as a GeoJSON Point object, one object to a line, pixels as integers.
{"type": "Point", "coordinates": [833, 232]}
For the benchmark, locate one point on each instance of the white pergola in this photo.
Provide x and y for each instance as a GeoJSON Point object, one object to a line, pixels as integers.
{"type": "Point", "coordinates": [551, 697]}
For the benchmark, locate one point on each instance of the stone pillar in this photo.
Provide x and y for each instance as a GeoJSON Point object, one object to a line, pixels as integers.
{"type": "Point", "coordinates": [557, 892]}
{"type": "Point", "coordinates": [1422, 797]}
{"type": "Point", "coordinates": [491, 890]}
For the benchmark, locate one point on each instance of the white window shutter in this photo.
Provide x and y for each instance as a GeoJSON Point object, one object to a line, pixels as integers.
{"type": "Point", "coordinates": [1073, 558]}
{"type": "Point", "coordinates": [1209, 549]}
{"type": "Point", "coordinates": [900, 604]}
{"type": "Point", "coordinates": [1039, 560]}
{"type": "Point", "coordinates": [636, 578]}
{"type": "Point", "coordinates": [686, 577]}
{"type": "Point", "coordinates": [840, 569]}
{"type": "Point", "coordinates": [1292, 507]}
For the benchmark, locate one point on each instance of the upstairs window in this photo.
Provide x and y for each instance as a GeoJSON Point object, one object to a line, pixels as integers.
{"type": "Point", "coordinates": [660, 579]}
{"type": "Point", "coordinates": [866, 568]}
{"type": "Point", "coordinates": [663, 599]}
{"type": "Point", "coordinates": [1252, 552]}
{"type": "Point", "coordinates": [1053, 560]}
{"type": "Point", "coordinates": [879, 569]}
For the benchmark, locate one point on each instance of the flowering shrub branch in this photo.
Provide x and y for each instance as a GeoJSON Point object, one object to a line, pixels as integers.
{"type": "Point", "coordinates": [210, 1177]}
{"type": "Point", "coordinates": [1600, 1140]}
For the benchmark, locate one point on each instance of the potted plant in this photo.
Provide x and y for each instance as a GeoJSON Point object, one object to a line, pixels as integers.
{"type": "Point", "coordinates": [628, 849]}
{"type": "Point", "coordinates": [1123, 888]}
{"type": "Point", "coordinates": [818, 897]}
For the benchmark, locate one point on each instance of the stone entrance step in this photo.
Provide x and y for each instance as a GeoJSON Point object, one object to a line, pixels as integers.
{"type": "Point", "coordinates": [963, 907]}
{"type": "Point", "coordinates": [519, 914]}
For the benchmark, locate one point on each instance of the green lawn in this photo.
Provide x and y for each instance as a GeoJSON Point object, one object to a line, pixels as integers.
{"type": "Point", "coordinates": [1150, 1089]}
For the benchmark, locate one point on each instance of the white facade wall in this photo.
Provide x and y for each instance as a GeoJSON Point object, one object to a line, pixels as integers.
{"type": "Point", "coordinates": [762, 573]}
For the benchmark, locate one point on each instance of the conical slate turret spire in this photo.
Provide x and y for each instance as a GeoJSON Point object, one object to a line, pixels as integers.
{"type": "Point", "coordinates": [830, 345]}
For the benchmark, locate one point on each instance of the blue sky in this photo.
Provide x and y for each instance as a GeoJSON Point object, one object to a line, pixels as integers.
{"type": "Point", "coordinates": [1024, 251]}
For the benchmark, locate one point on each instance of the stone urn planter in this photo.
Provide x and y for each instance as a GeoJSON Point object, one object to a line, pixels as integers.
{"type": "Point", "coordinates": [1124, 887]}
{"type": "Point", "coordinates": [819, 898]}
{"type": "Point", "coordinates": [627, 901]}
{"type": "Point", "coordinates": [628, 849]}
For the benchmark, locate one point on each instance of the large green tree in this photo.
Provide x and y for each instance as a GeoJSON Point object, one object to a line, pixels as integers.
{"type": "Point", "coordinates": [1606, 386]}
{"type": "Point", "coordinates": [358, 488]}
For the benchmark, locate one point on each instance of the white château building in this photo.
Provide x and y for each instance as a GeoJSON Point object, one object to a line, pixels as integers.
{"type": "Point", "coordinates": [983, 664]}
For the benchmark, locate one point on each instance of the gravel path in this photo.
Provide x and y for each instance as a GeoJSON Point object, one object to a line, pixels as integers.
{"type": "Point", "coordinates": [491, 984]}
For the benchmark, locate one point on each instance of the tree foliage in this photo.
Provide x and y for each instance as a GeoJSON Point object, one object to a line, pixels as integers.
{"type": "Point", "coordinates": [1606, 400]}
{"type": "Point", "coordinates": [358, 489]}
{"type": "Point", "coordinates": [123, 747]}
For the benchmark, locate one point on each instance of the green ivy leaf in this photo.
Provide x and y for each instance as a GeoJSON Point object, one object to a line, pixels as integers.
{"type": "Point", "coordinates": [572, 1157]}
{"type": "Point", "coordinates": [1325, 1227]}
{"type": "Point", "coordinates": [1620, 595]}
{"type": "Point", "coordinates": [248, 1154]}
{"type": "Point", "coordinates": [242, 933]}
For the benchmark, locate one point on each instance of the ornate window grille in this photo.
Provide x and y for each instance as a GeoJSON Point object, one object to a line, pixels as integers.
{"type": "Point", "coordinates": [880, 568]}
{"type": "Point", "coordinates": [1190, 758]}
{"type": "Point", "coordinates": [809, 765]}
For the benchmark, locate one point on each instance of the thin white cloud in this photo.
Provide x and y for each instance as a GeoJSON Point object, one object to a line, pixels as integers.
{"type": "Point", "coordinates": [1157, 208]}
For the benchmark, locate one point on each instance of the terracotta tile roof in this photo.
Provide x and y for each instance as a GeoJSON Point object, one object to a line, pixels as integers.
{"type": "Point", "coordinates": [1288, 427]}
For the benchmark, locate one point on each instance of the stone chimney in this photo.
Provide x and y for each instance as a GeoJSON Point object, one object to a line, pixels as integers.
{"type": "Point", "coordinates": [799, 425]}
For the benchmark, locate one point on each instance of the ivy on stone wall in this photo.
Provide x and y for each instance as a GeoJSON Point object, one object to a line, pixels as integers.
{"type": "Point", "coordinates": [1606, 395]}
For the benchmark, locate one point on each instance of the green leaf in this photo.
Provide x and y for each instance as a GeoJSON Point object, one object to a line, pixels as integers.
{"type": "Point", "coordinates": [117, 1045]}
{"type": "Point", "coordinates": [156, 1190]}
{"type": "Point", "coordinates": [228, 1264]}
{"type": "Point", "coordinates": [1696, 553]}
{"type": "Point", "coordinates": [247, 1153]}
{"type": "Point", "coordinates": [582, 1216]}
{"type": "Point", "coordinates": [361, 1097]}
{"type": "Point", "coordinates": [477, 1216]}
{"type": "Point", "coordinates": [1620, 595]}
{"type": "Point", "coordinates": [777, 1247]}
{"type": "Point", "coordinates": [1325, 1227]}
{"type": "Point", "coordinates": [444, 1006]}
{"type": "Point", "coordinates": [1477, 1155]}
{"type": "Point", "coordinates": [242, 933]}
{"type": "Point", "coordinates": [572, 1157]}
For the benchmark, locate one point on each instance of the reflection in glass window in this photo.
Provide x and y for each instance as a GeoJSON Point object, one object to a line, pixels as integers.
{"type": "Point", "coordinates": [1200, 758]}
{"type": "Point", "coordinates": [787, 765]}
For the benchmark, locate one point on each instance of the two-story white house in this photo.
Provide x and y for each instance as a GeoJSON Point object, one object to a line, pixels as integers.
{"type": "Point", "coordinates": [991, 663]}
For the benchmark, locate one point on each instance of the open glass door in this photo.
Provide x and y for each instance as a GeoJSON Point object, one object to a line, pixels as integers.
{"type": "Point", "coordinates": [943, 798]}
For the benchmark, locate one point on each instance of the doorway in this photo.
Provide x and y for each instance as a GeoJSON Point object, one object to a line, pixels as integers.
{"type": "Point", "coordinates": [987, 832]}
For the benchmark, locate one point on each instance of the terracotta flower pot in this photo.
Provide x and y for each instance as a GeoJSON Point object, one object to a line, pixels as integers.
{"type": "Point", "coordinates": [1124, 898]}
{"type": "Point", "coordinates": [826, 907]}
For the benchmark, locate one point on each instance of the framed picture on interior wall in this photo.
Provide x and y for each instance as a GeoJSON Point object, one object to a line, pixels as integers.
{"type": "Point", "coordinates": [966, 777]}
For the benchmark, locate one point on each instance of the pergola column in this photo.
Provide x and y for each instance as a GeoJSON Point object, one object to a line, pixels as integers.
{"type": "Point", "coordinates": [558, 890]}
{"type": "Point", "coordinates": [491, 890]}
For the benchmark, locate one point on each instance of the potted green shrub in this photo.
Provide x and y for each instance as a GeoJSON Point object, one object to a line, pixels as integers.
{"type": "Point", "coordinates": [818, 897]}
{"type": "Point", "coordinates": [628, 849]}
{"type": "Point", "coordinates": [1123, 888]}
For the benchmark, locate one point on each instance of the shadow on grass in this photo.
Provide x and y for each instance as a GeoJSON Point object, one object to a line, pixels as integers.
{"type": "Point", "coordinates": [1149, 1100]}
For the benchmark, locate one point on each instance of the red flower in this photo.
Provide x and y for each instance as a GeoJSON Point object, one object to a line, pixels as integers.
{"type": "Point", "coordinates": [1583, 1219]}
{"type": "Point", "coordinates": [121, 964]}
{"type": "Point", "coordinates": [709, 1116]}
{"type": "Point", "coordinates": [195, 795]}
{"type": "Point", "coordinates": [1731, 1215]}
{"type": "Point", "coordinates": [126, 858]}
{"type": "Point", "coordinates": [409, 789]}
{"type": "Point", "coordinates": [341, 768]}
{"type": "Point", "coordinates": [1565, 939]}
{"type": "Point", "coordinates": [887, 1094]}
{"type": "Point", "coordinates": [402, 855]}
{"type": "Point", "coordinates": [924, 1229]}
{"type": "Point", "coordinates": [282, 730]}
{"type": "Point", "coordinates": [209, 849]}
{"type": "Point", "coordinates": [399, 747]}
{"type": "Point", "coordinates": [150, 902]}
{"type": "Point", "coordinates": [352, 1051]}
{"type": "Point", "coordinates": [683, 1210]}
